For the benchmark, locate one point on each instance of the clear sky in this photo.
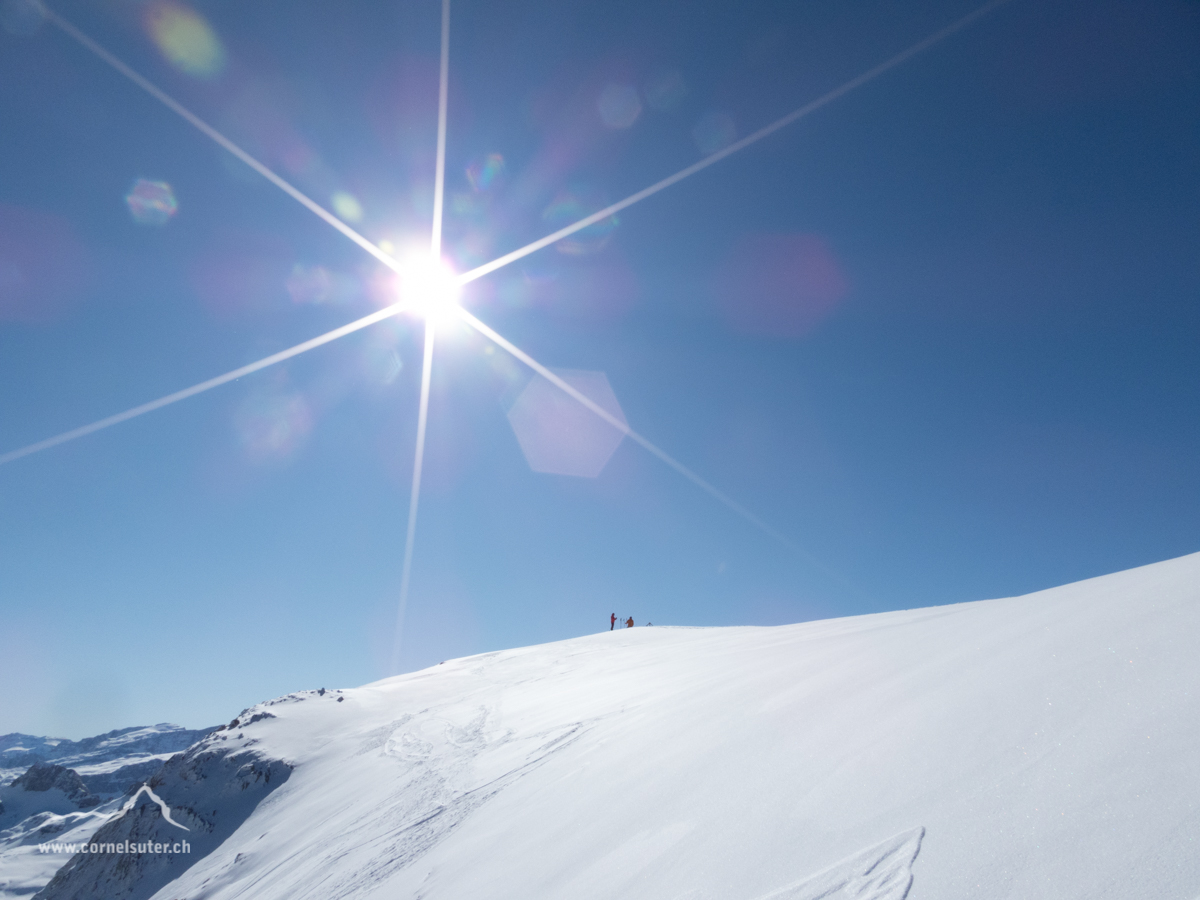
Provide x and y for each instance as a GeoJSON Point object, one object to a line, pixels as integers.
{"type": "Point", "coordinates": [942, 333]}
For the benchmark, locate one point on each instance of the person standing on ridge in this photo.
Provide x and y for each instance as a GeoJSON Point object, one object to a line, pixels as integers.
{"type": "Point", "coordinates": [629, 622]}
{"type": "Point", "coordinates": [612, 622]}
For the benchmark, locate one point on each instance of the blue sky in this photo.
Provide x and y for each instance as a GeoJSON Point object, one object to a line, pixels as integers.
{"type": "Point", "coordinates": [942, 333]}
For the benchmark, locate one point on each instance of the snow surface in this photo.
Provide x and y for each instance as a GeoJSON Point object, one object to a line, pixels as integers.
{"type": "Point", "coordinates": [1042, 746]}
{"type": "Point", "coordinates": [24, 870]}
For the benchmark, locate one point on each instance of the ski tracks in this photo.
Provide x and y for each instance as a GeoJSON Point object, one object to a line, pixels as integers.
{"type": "Point", "coordinates": [882, 872]}
{"type": "Point", "coordinates": [452, 763]}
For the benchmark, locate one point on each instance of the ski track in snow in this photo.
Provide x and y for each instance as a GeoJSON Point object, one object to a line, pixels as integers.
{"type": "Point", "coordinates": [450, 769]}
{"type": "Point", "coordinates": [882, 872]}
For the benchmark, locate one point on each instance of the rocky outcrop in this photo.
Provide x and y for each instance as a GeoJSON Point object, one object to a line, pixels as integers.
{"type": "Point", "coordinates": [48, 777]}
{"type": "Point", "coordinates": [44, 788]}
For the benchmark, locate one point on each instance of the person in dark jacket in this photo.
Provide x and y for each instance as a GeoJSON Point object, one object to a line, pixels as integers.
{"type": "Point", "coordinates": [612, 622]}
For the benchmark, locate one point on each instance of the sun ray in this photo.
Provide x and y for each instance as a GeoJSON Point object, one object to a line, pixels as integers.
{"type": "Point", "coordinates": [415, 496]}
{"type": "Point", "coordinates": [208, 131]}
{"type": "Point", "coordinates": [624, 428]}
{"type": "Point", "coordinates": [439, 178]}
{"type": "Point", "coordinates": [745, 142]}
{"type": "Point", "coordinates": [134, 412]}
{"type": "Point", "coordinates": [472, 274]}
{"type": "Point", "coordinates": [435, 247]}
{"type": "Point", "coordinates": [532, 247]}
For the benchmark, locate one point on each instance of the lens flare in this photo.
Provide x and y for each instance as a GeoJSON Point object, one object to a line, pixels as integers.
{"type": "Point", "coordinates": [619, 105]}
{"type": "Point", "coordinates": [466, 205]}
{"type": "Point", "coordinates": [715, 131]}
{"type": "Point", "coordinates": [318, 286]}
{"type": "Point", "coordinates": [151, 202]}
{"type": "Point", "coordinates": [272, 423]}
{"type": "Point", "coordinates": [665, 90]}
{"type": "Point", "coordinates": [779, 285]}
{"type": "Point", "coordinates": [310, 284]}
{"type": "Point", "coordinates": [347, 206]}
{"type": "Point", "coordinates": [44, 267]}
{"type": "Point", "coordinates": [486, 173]}
{"type": "Point", "coordinates": [560, 437]}
{"type": "Point", "coordinates": [185, 39]}
{"type": "Point", "coordinates": [381, 365]}
{"type": "Point", "coordinates": [571, 206]}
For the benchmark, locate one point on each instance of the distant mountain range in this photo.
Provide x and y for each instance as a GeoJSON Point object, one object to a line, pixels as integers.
{"type": "Point", "coordinates": [51, 787]}
{"type": "Point", "coordinates": [107, 763]}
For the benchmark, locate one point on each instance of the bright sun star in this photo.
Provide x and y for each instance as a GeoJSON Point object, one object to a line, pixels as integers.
{"type": "Point", "coordinates": [428, 287]}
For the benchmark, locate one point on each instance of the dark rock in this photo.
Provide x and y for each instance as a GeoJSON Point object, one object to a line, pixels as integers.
{"type": "Point", "coordinates": [45, 777]}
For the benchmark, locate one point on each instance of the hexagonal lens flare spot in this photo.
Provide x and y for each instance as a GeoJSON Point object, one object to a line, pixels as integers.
{"type": "Point", "coordinates": [560, 436]}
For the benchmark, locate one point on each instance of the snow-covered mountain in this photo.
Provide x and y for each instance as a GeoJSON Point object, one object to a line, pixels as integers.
{"type": "Point", "coordinates": [55, 789]}
{"type": "Point", "coordinates": [107, 763]}
{"type": "Point", "coordinates": [1042, 746]}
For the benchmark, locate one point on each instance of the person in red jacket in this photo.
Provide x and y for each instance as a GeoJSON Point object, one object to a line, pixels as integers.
{"type": "Point", "coordinates": [612, 622]}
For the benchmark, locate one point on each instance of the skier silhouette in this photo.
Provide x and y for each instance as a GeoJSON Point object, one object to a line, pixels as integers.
{"type": "Point", "coordinates": [612, 622]}
{"type": "Point", "coordinates": [629, 622]}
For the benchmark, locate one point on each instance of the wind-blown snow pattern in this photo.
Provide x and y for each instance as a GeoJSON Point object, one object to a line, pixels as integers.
{"type": "Point", "coordinates": [1035, 747]}
{"type": "Point", "coordinates": [883, 872]}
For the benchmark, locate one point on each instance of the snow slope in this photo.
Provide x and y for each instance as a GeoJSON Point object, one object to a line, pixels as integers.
{"type": "Point", "coordinates": [1043, 746]}
{"type": "Point", "coordinates": [24, 870]}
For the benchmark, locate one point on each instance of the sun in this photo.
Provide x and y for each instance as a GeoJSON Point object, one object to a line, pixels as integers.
{"type": "Point", "coordinates": [428, 287]}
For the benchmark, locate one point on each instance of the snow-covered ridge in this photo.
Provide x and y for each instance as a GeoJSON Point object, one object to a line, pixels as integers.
{"type": "Point", "coordinates": [1038, 746]}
